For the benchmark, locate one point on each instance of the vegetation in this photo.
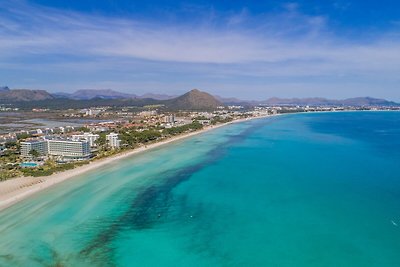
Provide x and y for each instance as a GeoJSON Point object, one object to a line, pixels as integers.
{"type": "Point", "coordinates": [101, 141]}
{"type": "Point", "coordinates": [131, 137]}
{"type": "Point", "coordinates": [34, 153]}
{"type": "Point", "coordinates": [218, 119]}
{"type": "Point", "coordinates": [83, 129]}
{"type": "Point", "coordinates": [9, 162]}
{"type": "Point", "coordinates": [23, 136]}
{"type": "Point", "coordinates": [50, 167]}
{"type": "Point", "coordinates": [182, 129]}
{"type": "Point", "coordinates": [198, 118]}
{"type": "Point", "coordinates": [6, 174]}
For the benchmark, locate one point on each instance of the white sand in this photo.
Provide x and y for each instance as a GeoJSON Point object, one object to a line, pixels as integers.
{"type": "Point", "coordinates": [17, 189]}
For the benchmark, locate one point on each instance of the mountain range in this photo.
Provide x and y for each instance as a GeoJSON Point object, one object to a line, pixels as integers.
{"type": "Point", "coordinates": [18, 95]}
{"type": "Point", "coordinates": [195, 99]}
{"type": "Point", "coordinates": [87, 94]}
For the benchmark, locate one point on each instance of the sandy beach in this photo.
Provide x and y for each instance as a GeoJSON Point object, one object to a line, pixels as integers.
{"type": "Point", "coordinates": [15, 190]}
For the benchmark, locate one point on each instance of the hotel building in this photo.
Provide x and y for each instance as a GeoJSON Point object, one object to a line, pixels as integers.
{"type": "Point", "coordinates": [86, 136]}
{"type": "Point", "coordinates": [113, 140]}
{"type": "Point", "coordinates": [69, 149]}
{"type": "Point", "coordinates": [62, 148]}
{"type": "Point", "coordinates": [38, 145]}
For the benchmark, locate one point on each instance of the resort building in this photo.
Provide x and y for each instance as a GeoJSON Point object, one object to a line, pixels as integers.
{"type": "Point", "coordinates": [86, 136]}
{"type": "Point", "coordinates": [69, 149]}
{"type": "Point", "coordinates": [65, 149]}
{"type": "Point", "coordinates": [113, 140]}
{"type": "Point", "coordinates": [37, 145]}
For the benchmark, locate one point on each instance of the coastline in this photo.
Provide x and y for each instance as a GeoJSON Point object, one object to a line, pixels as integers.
{"type": "Point", "coordinates": [15, 190]}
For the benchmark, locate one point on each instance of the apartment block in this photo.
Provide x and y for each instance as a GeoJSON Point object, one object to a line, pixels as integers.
{"type": "Point", "coordinates": [113, 140]}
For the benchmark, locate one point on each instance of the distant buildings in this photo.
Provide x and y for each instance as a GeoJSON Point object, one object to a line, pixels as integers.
{"type": "Point", "coordinates": [169, 119]}
{"type": "Point", "coordinates": [86, 136]}
{"type": "Point", "coordinates": [204, 122]}
{"type": "Point", "coordinates": [148, 113]}
{"type": "Point", "coordinates": [113, 140]}
{"type": "Point", "coordinates": [92, 112]}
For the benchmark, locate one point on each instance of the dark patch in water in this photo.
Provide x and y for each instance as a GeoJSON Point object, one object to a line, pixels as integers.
{"type": "Point", "coordinates": [53, 258]}
{"type": "Point", "coordinates": [8, 258]}
{"type": "Point", "coordinates": [150, 205]}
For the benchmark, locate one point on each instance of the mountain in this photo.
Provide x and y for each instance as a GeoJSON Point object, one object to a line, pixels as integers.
{"type": "Point", "coordinates": [157, 96]}
{"type": "Point", "coordinates": [87, 94]}
{"type": "Point", "coordinates": [368, 101]}
{"type": "Point", "coordinates": [20, 95]}
{"type": "Point", "coordinates": [61, 95]}
{"type": "Point", "coordinates": [4, 89]}
{"type": "Point", "coordinates": [193, 100]}
{"type": "Point", "coordinates": [231, 100]}
{"type": "Point", "coordinates": [316, 101]}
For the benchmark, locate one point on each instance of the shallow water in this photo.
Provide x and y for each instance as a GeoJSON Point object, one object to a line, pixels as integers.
{"type": "Point", "coordinates": [297, 190]}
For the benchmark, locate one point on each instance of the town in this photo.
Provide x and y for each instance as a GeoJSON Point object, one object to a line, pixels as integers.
{"type": "Point", "coordinates": [44, 151]}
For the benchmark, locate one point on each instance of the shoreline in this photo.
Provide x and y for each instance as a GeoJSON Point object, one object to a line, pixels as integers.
{"type": "Point", "coordinates": [17, 189]}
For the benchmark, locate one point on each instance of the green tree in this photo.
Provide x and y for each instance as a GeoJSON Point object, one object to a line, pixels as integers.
{"type": "Point", "coordinates": [34, 153]}
{"type": "Point", "coordinates": [22, 136]}
{"type": "Point", "coordinates": [101, 141]}
{"type": "Point", "coordinates": [83, 129]}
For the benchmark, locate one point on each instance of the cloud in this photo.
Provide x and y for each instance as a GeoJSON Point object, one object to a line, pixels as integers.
{"type": "Point", "coordinates": [231, 46]}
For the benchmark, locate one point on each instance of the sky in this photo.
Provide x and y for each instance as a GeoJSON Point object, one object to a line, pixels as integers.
{"type": "Point", "coordinates": [245, 49]}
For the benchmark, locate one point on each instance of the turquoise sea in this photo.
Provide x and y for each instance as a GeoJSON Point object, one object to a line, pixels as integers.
{"type": "Point", "coordinates": [295, 190]}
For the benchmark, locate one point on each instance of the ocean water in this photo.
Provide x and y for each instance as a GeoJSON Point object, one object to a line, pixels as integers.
{"type": "Point", "coordinates": [297, 190]}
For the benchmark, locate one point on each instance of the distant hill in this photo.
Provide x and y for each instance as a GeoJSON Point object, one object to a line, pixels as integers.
{"type": "Point", "coordinates": [231, 100]}
{"type": "Point", "coordinates": [87, 94]}
{"type": "Point", "coordinates": [157, 96]}
{"type": "Point", "coordinates": [4, 88]}
{"type": "Point", "coordinates": [193, 100]}
{"type": "Point", "coordinates": [65, 103]}
{"type": "Point", "coordinates": [367, 101]}
{"type": "Point", "coordinates": [359, 101]}
{"type": "Point", "coordinates": [18, 95]}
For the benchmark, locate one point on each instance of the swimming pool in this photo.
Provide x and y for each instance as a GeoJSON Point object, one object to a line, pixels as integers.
{"type": "Point", "coordinates": [29, 164]}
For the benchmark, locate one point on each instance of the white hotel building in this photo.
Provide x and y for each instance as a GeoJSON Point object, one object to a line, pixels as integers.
{"type": "Point", "coordinates": [86, 136]}
{"type": "Point", "coordinates": [113, 140]}
{"type": "Point", "coordinates": [69, 149]}
{"type": "Point", "coordinates": [61, 148]}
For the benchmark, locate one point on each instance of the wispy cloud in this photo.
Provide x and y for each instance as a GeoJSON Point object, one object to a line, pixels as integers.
{"type": "Point", "coordinates": [227, 47]}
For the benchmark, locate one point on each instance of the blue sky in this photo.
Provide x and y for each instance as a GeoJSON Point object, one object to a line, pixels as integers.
{"type": "Point", "coordinates": [247, 49]}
